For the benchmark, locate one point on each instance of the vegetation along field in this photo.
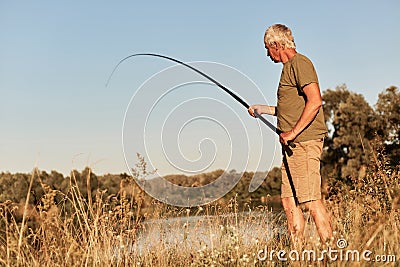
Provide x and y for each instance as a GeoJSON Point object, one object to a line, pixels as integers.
{"type": "Point", "coordinates": [84, 219]}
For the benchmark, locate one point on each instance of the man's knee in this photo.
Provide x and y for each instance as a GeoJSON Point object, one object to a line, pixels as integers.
{"type": "Point", "coordinates": [315, 207]}
{"type": "Point", "coordinates": [288, 203]}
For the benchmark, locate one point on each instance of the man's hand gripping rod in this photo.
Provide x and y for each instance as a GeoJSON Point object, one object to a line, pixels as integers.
{"type": "Point", "coordinates": [272, 127]}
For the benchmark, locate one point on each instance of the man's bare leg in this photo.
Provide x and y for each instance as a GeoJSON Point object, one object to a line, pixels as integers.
{"type": "Point", "coordinates": [295, 219]}
{"type": "Point", "coordinates": [321, 218]}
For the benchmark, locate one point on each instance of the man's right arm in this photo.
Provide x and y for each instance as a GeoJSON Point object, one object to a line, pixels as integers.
{"type": "Point", "coordinates": [262, 109]}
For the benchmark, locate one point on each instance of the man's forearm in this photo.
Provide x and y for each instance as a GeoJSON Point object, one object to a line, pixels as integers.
{"type": "Point", "coordinates": [310, 111]}
{"type": "Point", "coordinates": [262, 109]}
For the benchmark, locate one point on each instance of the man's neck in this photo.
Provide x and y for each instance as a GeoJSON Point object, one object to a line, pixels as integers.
{"type": "Point", "coordinates": [287, 54]}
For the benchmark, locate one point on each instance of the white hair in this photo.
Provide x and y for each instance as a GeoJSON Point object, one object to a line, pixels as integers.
{"type": "Point", "coordinates": [279, 34]}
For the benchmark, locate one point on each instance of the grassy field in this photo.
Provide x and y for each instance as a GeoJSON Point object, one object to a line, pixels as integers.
{"type": "Point", "coordinates": [110, 232]}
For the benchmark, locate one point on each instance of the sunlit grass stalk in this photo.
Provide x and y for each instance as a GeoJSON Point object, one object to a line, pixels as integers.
{"type": "Point", "coordinates": [22, 228]}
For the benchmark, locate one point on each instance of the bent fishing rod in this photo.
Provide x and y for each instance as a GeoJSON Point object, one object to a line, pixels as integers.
{"type": "Point", "coordinates": [236, 97]}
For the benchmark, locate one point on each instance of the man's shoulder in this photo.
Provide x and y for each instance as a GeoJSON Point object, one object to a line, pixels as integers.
{"type": "Point", "coordinates": [301, 58]}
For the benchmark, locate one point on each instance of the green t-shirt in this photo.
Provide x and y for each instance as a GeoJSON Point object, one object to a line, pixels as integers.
{"type": "Point", "coordinates": [297, 73]}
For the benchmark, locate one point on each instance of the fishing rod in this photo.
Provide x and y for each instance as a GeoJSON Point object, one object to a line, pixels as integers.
{"type": "Point", "coordinates": [236, 97]}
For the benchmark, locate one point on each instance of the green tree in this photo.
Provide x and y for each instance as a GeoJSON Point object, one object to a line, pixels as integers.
{"type": "Point", "coordinates": [350, 121]}
{"type": "Point", "coordinates": [273, 183]}
{"type": "Point", "coordinates": [388, 124]}
{"type": "Point", "coordinates": [14, 187]}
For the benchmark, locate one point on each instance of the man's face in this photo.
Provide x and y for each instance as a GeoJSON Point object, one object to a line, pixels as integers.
{"type": "Point", "coordinates": [273, 52]}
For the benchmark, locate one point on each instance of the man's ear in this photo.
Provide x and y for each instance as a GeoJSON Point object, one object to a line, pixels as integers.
{"type": "Point", "coordinates": [277, 45]}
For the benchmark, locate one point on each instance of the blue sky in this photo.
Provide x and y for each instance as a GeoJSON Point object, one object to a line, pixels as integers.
{"type": "Point", "coordinates": [55, 58]}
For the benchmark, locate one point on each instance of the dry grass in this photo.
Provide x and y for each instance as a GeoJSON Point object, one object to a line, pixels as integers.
{"type": "Point", "coordinates": [110, 232]}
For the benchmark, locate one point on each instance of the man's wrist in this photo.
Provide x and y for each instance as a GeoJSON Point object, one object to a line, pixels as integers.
{"type": "Point", "coordinates": [272, 110]}
{"type": "Point", "coordinates": [294, 132]}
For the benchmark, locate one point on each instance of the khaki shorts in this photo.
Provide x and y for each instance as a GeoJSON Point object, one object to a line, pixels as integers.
{"type": "Point", "coordinates": [301, 176]}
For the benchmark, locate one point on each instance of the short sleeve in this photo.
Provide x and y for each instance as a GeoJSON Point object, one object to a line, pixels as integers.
{"type": "Point", "coordinates": [304, 72]}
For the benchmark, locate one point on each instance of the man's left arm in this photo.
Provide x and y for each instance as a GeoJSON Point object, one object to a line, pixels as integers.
{"type": "Point", "coordinates": [313, 104]}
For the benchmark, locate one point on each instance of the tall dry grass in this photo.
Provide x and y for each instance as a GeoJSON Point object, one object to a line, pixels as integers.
{"type": "Point", "coordinates": [111, 232]}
